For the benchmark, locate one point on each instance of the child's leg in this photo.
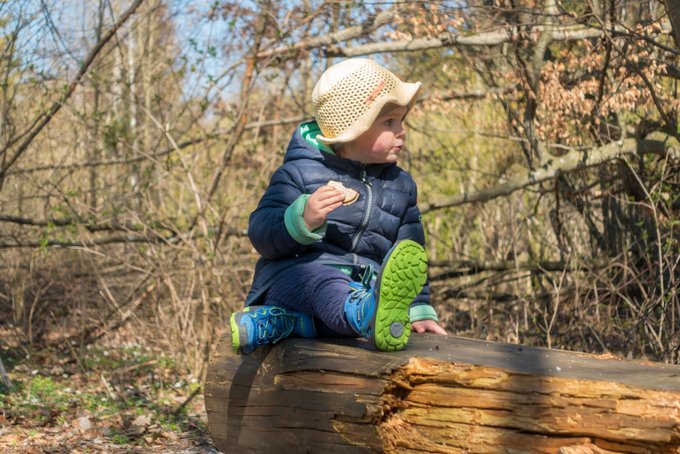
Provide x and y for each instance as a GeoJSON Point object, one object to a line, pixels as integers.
{"type": "Point", "coordinates": [315, 289]}
{"type": "Point", "coordinates": [380, 311]}
{"type": "Point", "coordinates": [301, 299]}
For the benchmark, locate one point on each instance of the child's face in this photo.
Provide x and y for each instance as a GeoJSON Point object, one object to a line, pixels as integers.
{"type": "Point", "coordinates": [383, 141]}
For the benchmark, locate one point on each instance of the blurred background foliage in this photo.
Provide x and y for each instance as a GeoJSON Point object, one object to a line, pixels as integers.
{"type": "Point", "coordinates": [137, 137]}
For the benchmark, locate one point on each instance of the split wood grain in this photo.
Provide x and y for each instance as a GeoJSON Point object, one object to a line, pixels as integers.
{"type": "Point", "coordinates": [440, 395]}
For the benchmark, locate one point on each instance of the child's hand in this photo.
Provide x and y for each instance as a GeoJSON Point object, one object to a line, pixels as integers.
{"type": "Point", "coordinates": [320, 203]}
{"type": "Point", "coordinates": [425, 326]}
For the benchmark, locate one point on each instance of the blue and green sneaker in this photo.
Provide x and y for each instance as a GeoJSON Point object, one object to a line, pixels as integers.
{"type": "Point", "coordinates": [380, 311]}
{"type": "Point", "coordinates": [262, 325]}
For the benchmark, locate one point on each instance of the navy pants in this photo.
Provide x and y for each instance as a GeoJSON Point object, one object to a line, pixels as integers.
{"type": "Point", "coordinates": [315, 289]}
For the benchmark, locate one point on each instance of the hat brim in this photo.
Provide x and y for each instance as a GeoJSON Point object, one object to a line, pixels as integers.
{"type": "Point", "coordinates": [405, 93]}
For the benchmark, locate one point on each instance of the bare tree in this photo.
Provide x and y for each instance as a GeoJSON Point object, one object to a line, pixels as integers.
{"type": "Point", "coordinates": [544, 142]}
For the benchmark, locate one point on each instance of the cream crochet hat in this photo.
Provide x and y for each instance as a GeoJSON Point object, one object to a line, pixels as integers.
{"type": "Point", "coordinates": [349, 96]}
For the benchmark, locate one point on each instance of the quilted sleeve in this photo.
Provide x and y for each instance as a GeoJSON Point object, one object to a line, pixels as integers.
{"type": "Point", "coordinates": [267, 228]}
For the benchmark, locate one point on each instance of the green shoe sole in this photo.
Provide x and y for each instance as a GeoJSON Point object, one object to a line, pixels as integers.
{"type": "Point", "coordinates": [235, 338]}
{"type": "Point", "coordinates": [234, 321]}
{"type": "Point", "coordinates": [399, 282]}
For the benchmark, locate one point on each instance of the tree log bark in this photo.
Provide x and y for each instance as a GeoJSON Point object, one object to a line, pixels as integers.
{"type": "Point", "coordinates": [441, 394]}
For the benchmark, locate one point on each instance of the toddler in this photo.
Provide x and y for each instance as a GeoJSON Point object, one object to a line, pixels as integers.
{"type": "Point", "coordinates": [338, 228]}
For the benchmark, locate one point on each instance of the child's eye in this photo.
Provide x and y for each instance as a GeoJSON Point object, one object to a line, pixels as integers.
{"type": "Point", "coordinates": [389, 122]}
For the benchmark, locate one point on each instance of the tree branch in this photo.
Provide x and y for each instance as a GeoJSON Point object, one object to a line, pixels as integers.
{"type": "Point", "coordinates": [483, 39]}
{"type": "Point", "coordinates": [241, 120]}
{"type": "Point", "coordinates": [171, 239]}
{"type": "Point", "coordinates": [83, 243]}
{"type": "Point", "coordinates": [125, 226]}
{"type": "Point", "coordinates": [574, 160]}
{"type": "Point", "coordinates": [460, 268]}
{"type": "Point", "coordinates": [346, 34]}
{"type": "Point", "coordinates": [195, 141]}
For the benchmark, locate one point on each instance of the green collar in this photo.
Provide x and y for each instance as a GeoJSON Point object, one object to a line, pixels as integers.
{"type": "Point", "coordinates": [309, 131]}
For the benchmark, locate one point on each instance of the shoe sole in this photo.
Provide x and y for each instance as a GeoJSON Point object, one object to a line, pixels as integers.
{"type": "Point", "coordinates": [235, 333]}
{"type": "Point", "coordinates": [399, 282]}
{"type": "Point", "coordinates": [235, 338]}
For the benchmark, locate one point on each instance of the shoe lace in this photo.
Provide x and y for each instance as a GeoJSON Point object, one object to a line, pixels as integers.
{"type": "Point", "coordinates": [359, 294]}
{"type": "Point", "coordinates": [277, 325]}
{"type": "Point", "coordinates": [367, 276]}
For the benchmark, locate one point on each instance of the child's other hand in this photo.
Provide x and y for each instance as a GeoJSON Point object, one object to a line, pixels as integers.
{"type": "Point", "coordinates": [427, 326]}
{"type": "Point", "coordinates": [320, 203]}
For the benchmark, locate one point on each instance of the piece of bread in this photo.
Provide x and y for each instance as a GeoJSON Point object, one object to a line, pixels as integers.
{"type": "Point", "coordinates": [350, 194]}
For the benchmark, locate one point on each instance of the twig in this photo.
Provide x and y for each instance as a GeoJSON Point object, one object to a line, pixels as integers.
{"type": "Point", "coordinates": [109, 389]}
{"type": "Point", "coordinates": [193, 394]}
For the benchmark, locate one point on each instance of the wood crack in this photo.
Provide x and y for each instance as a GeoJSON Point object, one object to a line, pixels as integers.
{"type": "Point", "coordinates": [465, 396]}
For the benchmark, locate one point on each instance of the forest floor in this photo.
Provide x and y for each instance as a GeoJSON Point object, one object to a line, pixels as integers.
{"type": "Point", "coordinates": [120, 398]}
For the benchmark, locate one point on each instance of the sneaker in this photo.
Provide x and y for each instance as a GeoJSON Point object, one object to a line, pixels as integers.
{"type": "Point", "coordinates": [262, 325]}
{"type": "Point", "coordinates": [380, 312]}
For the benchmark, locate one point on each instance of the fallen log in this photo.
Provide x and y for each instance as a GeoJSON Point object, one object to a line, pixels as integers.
{"type": "Point", "coordinates": [442, 394]}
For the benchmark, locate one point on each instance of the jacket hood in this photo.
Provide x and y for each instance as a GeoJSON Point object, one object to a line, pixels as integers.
{"type": "Point", "coordinates": [300, 148]}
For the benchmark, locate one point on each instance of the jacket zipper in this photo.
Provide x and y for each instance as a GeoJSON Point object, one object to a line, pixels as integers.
{"type": "Point", "coordinates": [367, 214]}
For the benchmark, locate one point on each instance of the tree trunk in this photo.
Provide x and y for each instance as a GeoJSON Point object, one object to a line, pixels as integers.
{"type": "Point", "coordinates": [673, 10]}
{"type": "Point", "coordinates": [441, 394]}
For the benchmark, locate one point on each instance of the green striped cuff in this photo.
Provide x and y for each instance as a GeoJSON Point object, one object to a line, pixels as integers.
{"type": "Point", "coordinates": [295, 224]}
{"type": "Point", "coordinates": [422, 312]}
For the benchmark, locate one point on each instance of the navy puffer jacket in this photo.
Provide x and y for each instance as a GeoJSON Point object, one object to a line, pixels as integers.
{"type": "Point", "coordinates": [358, 234]}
